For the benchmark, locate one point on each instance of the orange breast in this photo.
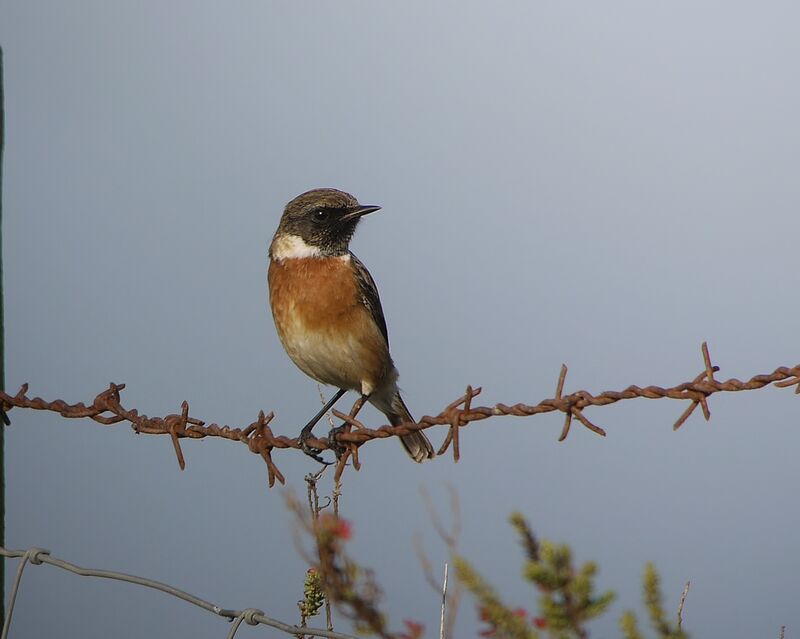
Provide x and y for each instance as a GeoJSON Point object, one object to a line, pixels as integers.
{"type": "Point", "coordinates": [323, 324]}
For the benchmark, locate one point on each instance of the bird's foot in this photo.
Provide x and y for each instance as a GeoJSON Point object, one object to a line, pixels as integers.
{"type": "Point", "coordinates": [337, 448]}
{"type": "Point", "coordinates": [311, 451]}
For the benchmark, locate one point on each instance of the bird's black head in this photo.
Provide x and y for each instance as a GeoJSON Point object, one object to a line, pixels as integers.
{"type": "Point", "coordinates": [318, 223]}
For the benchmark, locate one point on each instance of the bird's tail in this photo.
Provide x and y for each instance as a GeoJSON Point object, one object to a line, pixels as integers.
{"type": "Point", "coordinates": [417, 445]}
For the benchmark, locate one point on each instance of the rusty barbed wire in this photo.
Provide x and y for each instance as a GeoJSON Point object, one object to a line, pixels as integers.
{"type": "Point", "coordinates": [259, 438]}
{"type": "Point", "coordinates": [251, 616]}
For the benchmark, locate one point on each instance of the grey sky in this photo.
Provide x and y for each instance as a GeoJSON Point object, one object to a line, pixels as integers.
{"type": "Point", "coordinates": [601, 184]}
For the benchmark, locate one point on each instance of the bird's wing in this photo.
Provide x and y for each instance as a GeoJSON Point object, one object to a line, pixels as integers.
{"type": "Point", "coordinates": [369, 294]}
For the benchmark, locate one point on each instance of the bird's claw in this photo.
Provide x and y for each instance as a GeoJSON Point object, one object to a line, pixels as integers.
{"type": "Point", "coordinates": [311, 451]}
{"type": "Point", "coordinates": [333, 442]}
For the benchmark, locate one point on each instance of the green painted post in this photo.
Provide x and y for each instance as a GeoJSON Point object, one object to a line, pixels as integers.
{"type": "Point", "coordinates": [3, 418]}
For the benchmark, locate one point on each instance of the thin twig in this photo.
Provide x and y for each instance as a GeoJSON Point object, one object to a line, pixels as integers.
{"type": "Point", "coordinates": [682, 602]}
{"type": "Point", "coordinates": [314, 508]}
{"type": "Point", "coordinates": [444, 603]}
{"type": "Point", "coordinates": [323, 400]}
{"type": "Point", "coordinates": [425, 562]}
{"type": "Point", "coordinates": [450, 538]}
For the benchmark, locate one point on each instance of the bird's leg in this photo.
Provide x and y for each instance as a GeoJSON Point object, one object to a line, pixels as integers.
{"type": "Point", "coordinates": [335, 431]}
{"type": "Point", "coordinates": [305, 434]}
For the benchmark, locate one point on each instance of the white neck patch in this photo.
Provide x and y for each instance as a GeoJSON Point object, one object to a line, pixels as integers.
{"type": "Point", "coordinates": [292, 247]}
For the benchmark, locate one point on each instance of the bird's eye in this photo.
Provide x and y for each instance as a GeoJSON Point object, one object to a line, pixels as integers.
{"type": "Point", "coordinates": [320, 215]}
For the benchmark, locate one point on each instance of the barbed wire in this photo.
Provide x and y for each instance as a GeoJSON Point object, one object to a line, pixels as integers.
{"type": "Point", "coordinates": [250, 616]}
{"type": "Point", "coordinates": [259, 438]}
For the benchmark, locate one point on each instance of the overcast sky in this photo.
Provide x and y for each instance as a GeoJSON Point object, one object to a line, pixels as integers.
{"type": "Point", "coordinates": [600, 184]}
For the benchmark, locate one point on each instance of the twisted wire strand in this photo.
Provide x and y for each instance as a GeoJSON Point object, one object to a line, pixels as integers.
{"type": "Point", "coordinates": [107, 409]}
{"type": "Point", "coordinates": [251, 616]}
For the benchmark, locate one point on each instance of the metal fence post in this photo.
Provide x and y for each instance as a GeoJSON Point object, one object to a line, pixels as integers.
{"type": "Point", "coordinates": [2, 355]}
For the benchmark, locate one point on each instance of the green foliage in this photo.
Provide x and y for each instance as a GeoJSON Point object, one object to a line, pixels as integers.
{"type": "Point", "coordinates": [568, 599]}
{"type": "Point", "coordinates": [503, 622]}
{"type": "Point", "coordinates": [654, 602]}
{"type": "Point", "coordinates": [629, 627]}
{"type": "Point", "coordinates": [313, 595]}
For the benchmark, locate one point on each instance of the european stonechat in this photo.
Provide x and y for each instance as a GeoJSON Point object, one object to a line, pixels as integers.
{"type": "Point", "coordinates": [327, 311]}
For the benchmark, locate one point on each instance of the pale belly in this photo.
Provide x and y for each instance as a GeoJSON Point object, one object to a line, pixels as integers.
{"type": "Point", "coordinates": [327, 360]}
{"type": "Point", "coordinates": [331, 337]}
{"type": "Point", "coordinates": [346, 359]}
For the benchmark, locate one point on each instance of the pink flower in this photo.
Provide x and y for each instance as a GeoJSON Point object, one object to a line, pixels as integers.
{"type": "Point", "coordinates": [335, 526]}
{"type": "Point", "coordinates": [414, 629]}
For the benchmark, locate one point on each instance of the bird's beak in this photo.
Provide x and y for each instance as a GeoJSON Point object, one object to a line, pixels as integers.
{"type": "Point", "coordinates": [360, 211]}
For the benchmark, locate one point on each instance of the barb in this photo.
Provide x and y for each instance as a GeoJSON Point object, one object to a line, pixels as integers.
{"type": "Point", "coordinates": [259, 438]}
{"type": "Point", "coordinates": [251, 616]}
{"type": "Point", "coordinates": [349, 422]}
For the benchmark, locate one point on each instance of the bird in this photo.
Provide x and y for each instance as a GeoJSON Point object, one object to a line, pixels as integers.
{"type": "Point", "coordinates": [327, 311]}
